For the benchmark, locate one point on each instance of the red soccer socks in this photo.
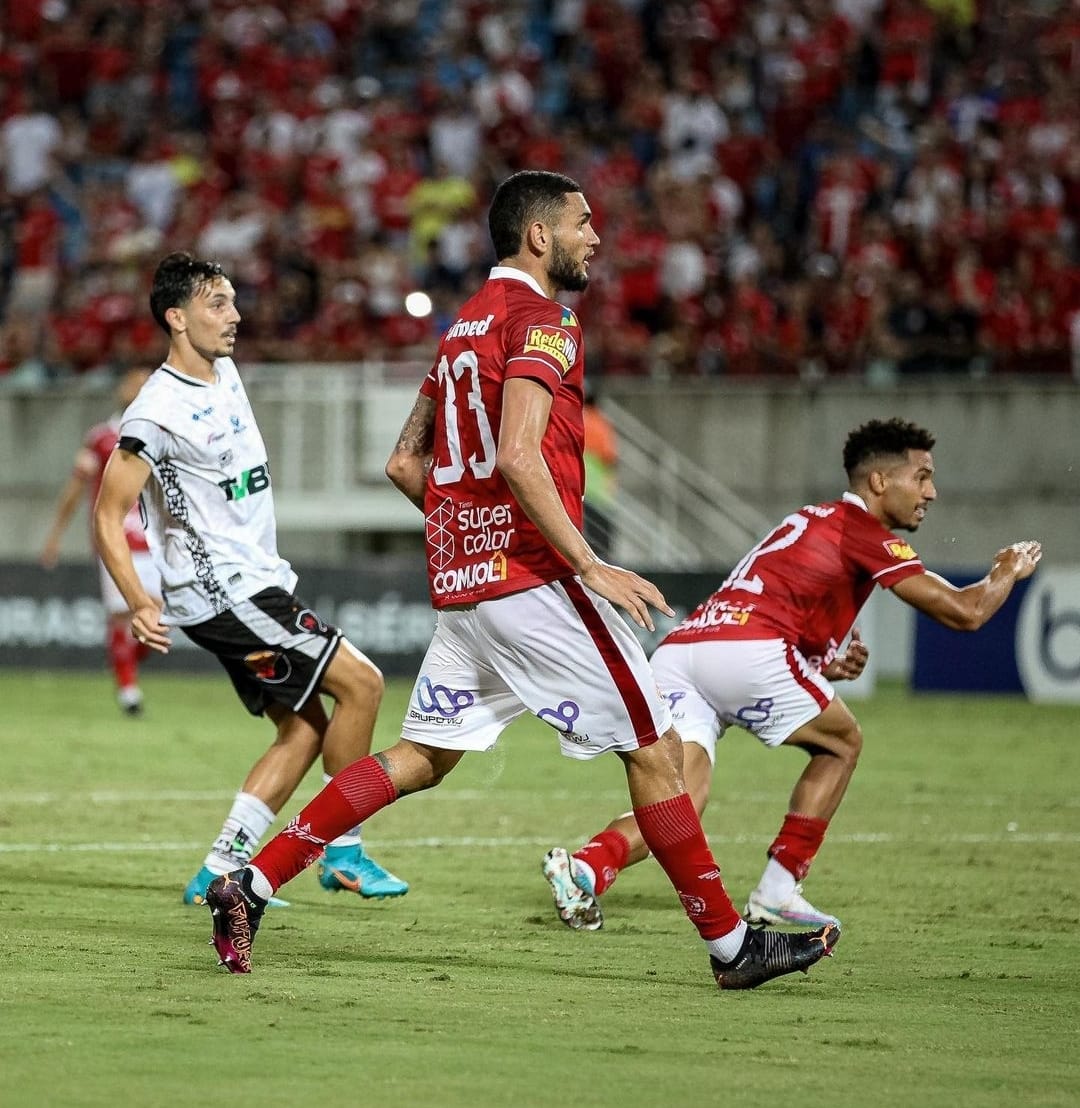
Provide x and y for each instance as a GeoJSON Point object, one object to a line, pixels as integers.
{"type": "Point", "coordinates": [798, 842]}
{"type": "Point", "coordinates": [605, 854]}
{"type": "Point", "coordinates": [356, 793]}
{"type": "Point", "coordinates": [672, 831]}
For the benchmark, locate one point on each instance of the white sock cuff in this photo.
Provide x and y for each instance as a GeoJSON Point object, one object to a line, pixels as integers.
{"type": "Point", "coordinates": [727, 947]}
{"type": "Point", "coordinates": [259, 884]}
{"type": "Point", "coordinates": [251, 812]}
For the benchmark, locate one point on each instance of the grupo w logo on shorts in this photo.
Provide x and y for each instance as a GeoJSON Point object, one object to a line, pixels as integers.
{"type": "Point", "coordinates": [563, 719]}
{"type": "Point", "coordinates": [756, 715]}
{"type": "Point", "coordinates": [442, 700]}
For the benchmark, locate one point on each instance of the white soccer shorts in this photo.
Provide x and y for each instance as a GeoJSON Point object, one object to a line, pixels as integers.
{"type": "Point", "coordinates": [559, 651]}
{"type": "Point", "coordinates": [764, 686]}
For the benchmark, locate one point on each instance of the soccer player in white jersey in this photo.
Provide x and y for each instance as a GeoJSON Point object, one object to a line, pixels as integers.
{"type": "Point", "coordinates": [190, 451]}
{"type": "Point", "coordinates": [762, 651]}
{"type": "Point", "coordinates": [527, 620]}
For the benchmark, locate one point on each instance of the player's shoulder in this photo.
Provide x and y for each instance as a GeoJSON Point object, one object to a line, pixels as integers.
{"type": "Point", "coordinates": [855, 515]}
{"type": "Point", "coordinates": [532, 306]}
{"type": "Point", "coordinates": [226, 369]}
{"type": "Point", "coordinates": [153, 388]}
{"type": "Point", "coordinates": [163, 394]}
{"type": "Point", "coordinates": [481, 314]}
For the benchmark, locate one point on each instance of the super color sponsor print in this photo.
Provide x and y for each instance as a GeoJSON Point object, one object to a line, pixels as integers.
{"type": "Point", "coordinates": [556, 342]}
{"type": "Point", "coordinates": [483, 531]}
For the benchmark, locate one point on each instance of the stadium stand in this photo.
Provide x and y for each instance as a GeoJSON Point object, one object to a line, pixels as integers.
{"type": "Point", "coordinates": [870, 188]}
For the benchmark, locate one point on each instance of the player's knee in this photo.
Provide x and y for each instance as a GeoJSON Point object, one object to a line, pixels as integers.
{"type": "Point", "coordinates": [370, 683]}
{"type": "Point", "coordinates": [851, 742]}
{"type": "Point", "coordinates": [360, 681]}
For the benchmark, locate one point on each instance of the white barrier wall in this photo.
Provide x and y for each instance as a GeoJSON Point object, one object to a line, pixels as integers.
{"type": "Point", "coordinates": [1008, 453]}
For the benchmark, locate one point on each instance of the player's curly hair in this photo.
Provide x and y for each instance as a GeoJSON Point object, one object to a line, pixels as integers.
{"type": "Point", "coordinates": [178, 277]}
{"type": "Point", "coordinates": [880, 438]}
{"type": "Point", "coordinates": [522, 198]}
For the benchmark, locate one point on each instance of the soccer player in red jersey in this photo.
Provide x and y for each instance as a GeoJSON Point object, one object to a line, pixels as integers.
{"type": "Point", "coordinates": [762, 652]}
{"type": "Point", "coordinates": [527, 620]}
{"type": "Point", "coordinates": [124, 652]}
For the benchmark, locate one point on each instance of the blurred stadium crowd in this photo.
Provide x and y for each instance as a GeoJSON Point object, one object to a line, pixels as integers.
{"type": "Point", "coordinates": [802, 187]}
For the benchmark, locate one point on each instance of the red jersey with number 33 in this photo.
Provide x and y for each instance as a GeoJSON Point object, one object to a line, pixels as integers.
{"type": "Point", "coordinates": [480, 544]}
{"type": "Point", "coordinates": [806, 581]}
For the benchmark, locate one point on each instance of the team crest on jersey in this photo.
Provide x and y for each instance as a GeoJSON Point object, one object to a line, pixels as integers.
{"type": "Point", "coordinates": [556, 342]}
{"type": "Point", "coordinates": [308, 621]}
{"type": "Point", "coordinates": [900, 549]}
{"type": "Point", "coordinates": [269, 666]}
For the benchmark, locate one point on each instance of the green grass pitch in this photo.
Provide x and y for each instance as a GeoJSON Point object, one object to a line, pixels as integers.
{"type": "Point", "coordinates": [953, 863]}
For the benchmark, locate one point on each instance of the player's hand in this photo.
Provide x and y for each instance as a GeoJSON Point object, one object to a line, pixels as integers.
{"type": "Point", "coordinates": [626, 590]}
{"type": "Point", "coordinates": [50, 555]}
{"type": "Point", "coordinates": [147, 627]}
{"type": "Point", "coordinates": [850, 664]}
{"type": "Point", "coordinates": [1021, 558]}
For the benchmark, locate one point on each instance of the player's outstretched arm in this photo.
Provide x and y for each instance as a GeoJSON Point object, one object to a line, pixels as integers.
{"type": "Point", "coordinates": [72, 494]}
{"type": "Point", "coordinates": [409, 463]}
{"type": "Point", "coordinates": [968, 608]}
{"type": "Point", "coordinates": [526, 407]}
{"type": "Point", "coordinates": [123, 480]}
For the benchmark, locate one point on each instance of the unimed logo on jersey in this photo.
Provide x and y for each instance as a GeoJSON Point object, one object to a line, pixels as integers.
{"type": "Point", "coordinates": [900, 549]}
{"type": "Point", "coordinates": [555, 342]}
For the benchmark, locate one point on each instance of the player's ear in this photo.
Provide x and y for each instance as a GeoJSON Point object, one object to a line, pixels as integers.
{"type": "Point", "coordinates": [538, 237]}
{"type": "Point", "coordinates": [174, 317]}
{"type": "Point", "coordinates": [876, 480]}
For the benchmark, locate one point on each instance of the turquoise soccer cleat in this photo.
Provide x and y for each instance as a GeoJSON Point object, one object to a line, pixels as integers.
{"type": "Point", "coordinates": [349, 868]}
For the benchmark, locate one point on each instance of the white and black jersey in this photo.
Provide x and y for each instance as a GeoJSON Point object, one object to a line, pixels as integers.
{"type": "Point", "coordinates": [209, 507]}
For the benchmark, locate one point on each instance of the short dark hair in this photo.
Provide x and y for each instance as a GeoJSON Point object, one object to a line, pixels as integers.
{"type": "Point", "coordinates": [522, 198]}
{"type": "Point", "coordinates": [178, 277]}
{"type": "Point", "coordinates": [881, 438]}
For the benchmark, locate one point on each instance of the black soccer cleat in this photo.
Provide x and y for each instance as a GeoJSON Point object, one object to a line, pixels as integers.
{"type": "Point", "coordinates": [767, 954]}
{"type": "Point", "coordinates": [236, 912]}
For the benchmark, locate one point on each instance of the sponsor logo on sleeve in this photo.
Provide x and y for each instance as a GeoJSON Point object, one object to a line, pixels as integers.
{"type": "Point", "coordinates": [900, 550]}
{"type": "Point", "coordinates": [555, 342]}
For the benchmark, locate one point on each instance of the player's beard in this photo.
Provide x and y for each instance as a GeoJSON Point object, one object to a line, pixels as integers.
{"type": "Point", "coordinates": [220, 349]}
{"type": "Point", "coordinates": [564, 272]}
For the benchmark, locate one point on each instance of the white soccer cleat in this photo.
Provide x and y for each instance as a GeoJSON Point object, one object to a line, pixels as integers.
{"type": "Point", "coordinates": [572, 891]}
{"type": "Point", "coordinates": [795, 910]}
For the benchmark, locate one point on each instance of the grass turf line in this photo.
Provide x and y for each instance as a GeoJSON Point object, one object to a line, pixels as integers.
{"type": "Point", "coordinates": [957, 981]}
